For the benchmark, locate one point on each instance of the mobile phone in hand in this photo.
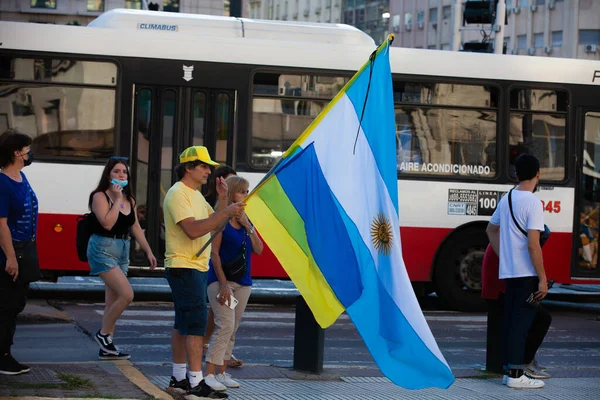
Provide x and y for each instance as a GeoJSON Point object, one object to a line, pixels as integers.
{"type": "Point", "coordinates": [233, 302]}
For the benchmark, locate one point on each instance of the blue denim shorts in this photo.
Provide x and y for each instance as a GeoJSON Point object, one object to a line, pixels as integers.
{"type": "Point", "coordinates": [188, 287]}
{"type": "Point", "coordinates": [106, 253]}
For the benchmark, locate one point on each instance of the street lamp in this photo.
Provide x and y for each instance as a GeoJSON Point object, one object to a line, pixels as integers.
{"type": "Point", "coordinates": [385, 15]}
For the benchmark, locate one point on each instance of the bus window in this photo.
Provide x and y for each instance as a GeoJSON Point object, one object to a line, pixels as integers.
{"type": "Point", "coordinates": [63, 121]}
{"type": "Point", "coordinates": [537, 125]}
{"type": "Point", "coordinates": [445, 129]}
{"type": "Point", "coordinates": [222, 128]}
{"type": "Point", "coordinates": [199, 118]}
{"type": "Point", "coordinates": [284, 105]}
{"type": "Point", "coordinates": [58, 71]}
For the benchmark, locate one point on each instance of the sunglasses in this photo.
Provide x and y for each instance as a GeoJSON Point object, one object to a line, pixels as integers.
{"type": "Point", "coordinates": [119, 158]}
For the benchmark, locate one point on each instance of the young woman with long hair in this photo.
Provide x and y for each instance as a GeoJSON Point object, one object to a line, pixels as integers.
{"type": "Point", "coordinates": [113, 206]}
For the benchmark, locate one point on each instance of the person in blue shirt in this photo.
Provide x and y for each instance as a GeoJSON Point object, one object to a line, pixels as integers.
{"type": "Point", "coordinates": [229, 280]}
{"type": "Point", "coordinates": [18, 222]}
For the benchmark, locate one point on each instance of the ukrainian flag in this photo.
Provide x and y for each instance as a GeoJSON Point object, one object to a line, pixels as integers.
{"type": "Point", "coordinates": [329, 212]}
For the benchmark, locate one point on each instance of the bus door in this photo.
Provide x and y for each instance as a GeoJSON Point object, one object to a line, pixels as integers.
{"type": "Point", "coordinates": [587, 229]}
{"type": "Point", "coordinates": [166, 121]}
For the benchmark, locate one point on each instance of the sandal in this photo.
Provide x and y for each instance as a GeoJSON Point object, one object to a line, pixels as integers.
{"type": "Point", "coordinates": [234, 362]}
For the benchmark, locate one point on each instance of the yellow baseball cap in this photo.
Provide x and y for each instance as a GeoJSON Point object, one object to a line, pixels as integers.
{"type": "Point", "coordinates": [196, 153]}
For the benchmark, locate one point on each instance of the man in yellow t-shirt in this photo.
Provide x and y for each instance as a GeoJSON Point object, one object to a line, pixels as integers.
{"type": "Point", "coordinates": [189, 220]}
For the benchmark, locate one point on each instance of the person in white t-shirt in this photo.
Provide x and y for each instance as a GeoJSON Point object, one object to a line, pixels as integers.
{"type": "Point", "coordinates": [521, 265]}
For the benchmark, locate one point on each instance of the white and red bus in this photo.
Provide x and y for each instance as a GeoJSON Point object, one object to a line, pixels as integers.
{"type": "Point", "coordinates": [146, 85]}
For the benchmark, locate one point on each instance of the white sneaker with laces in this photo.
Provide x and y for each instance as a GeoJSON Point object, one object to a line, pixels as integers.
{"type": "Point", "coordinates": [226, 380]}
{"type": "Point", "coordinates": [531, 371]}
{"type": "Point", "coordinates": [212, 381]}
{"type": "Point", "coordinates": [524, 382]}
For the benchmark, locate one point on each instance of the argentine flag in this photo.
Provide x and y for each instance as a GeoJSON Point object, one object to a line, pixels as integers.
{"type": "Point", "coordinates": [329, 212]}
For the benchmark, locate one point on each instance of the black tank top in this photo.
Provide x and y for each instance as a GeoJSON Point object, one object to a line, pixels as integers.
{"type": "Point", "coordinates": [120, 229]}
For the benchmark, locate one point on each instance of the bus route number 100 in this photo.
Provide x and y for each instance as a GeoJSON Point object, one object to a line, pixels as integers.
{"type": "Point", "coordinates": [487, 200]}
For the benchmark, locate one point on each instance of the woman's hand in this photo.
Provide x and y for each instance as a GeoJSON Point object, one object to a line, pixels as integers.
{"type": "Point", "coordinates": [224, 295]}
{"type": "Point", "coordinates": [222, 188]}
{"type": "Point", "coordinates": [118, 192]}
{"type": "Point", "coordinates": [243, 220]}
{"type": "Point", "coordinates": [12, 267]}
{"type": "Point", "coordinates": [151, 260]}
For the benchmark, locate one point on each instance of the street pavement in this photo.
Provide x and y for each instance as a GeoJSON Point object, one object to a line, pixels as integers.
{"type": "Point", "coordinates": [54, 337]}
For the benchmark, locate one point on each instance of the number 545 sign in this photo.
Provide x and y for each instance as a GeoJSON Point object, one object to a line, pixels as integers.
{"type": "Point", "coordinates": [551, 206]}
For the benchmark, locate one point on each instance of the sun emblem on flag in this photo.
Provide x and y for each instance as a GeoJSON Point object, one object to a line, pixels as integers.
{"type": "Point", "coordinates": [382, 234]}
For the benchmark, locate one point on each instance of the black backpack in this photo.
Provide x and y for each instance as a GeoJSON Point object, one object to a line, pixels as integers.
{"type": "Point", "coordinates": [84, 231]}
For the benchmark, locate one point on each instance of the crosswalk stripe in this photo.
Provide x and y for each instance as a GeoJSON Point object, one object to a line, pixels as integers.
{"type": "Point", "coordinates": [292, 316]}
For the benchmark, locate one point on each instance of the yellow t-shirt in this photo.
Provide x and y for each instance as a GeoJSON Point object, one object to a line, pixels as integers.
{"type": "Point", "coordinates": [182, 202]}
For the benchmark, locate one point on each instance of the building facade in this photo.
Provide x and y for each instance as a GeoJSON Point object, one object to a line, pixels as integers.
{"type": "Point", "coordinates": [328, 11]}
{"type": "Point", "coordinates": [82, 12]}
{"type": "Point", "coordinates": [370, 16]}
{"type": "Point", "coordinates": [553, 28]}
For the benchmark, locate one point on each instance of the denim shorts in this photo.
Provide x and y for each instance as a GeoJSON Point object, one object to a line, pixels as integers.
{"type": "Point", "coordinates": [188, 287]}
{"type": "Point", "coordinates": [105, 253]}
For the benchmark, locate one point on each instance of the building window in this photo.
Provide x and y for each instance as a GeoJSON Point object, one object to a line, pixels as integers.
{"type": "Point", "coordinates": [557, 38]}
{"type": "Point", "coordinates": [408, 21]}
{"type": "Point", "coordinates": [133, 4]}
{"type": "Point", "coordinates": [95, 5]}
{"type": "Point", "coordinates": [432, 47]}
{"type": "Point", "coordinates": [172, 5]}
{"type": "Point", "coordinates": [538, 40]}
{"type": "Point", "coordinates": [446, 12]}
{"type": "Point", "coordinates": [445, 129]}
{"type": "Point", "coordinates": [421, 17]}
{"type": "Point", "coordinates": [360, 16]}
{"type": "Point", "coordinates": [538, 121]}
{"type": "Point", "coordinates": [523, 3]}
{"type": "Point", "coordinates": [349, 17]}
{"type": "Point", "coordinates": [433, 15]}
{"type": "Point", "coordinates": [43, 4]}
{"type": "Point", "coordinates": [396, 23]}
{"type": "Point", "coordinates": [540, 2]}
{"type": "Point", "coordinates": [521, 42]}
{"type": "Point", "coordinates": [446, 46]}
{"type": "Point", "coordinates": [589, 36]}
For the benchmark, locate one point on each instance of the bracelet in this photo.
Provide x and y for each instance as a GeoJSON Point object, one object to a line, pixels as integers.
{"type": "Point", "coordinates": [251, 231]}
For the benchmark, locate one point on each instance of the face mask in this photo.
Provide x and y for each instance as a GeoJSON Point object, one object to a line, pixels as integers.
{"type": "Point", "coordinates": [119, 182]}
{"type": "Point", "coordinates": [29, 160]}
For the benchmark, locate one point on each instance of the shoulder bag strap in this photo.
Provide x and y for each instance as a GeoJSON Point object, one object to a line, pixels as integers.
{"type": "Point", "coordinates": [32, 211]}
{"type": "Point", "coordinates": [110, 203]}
{"type": "Point", "coordinates": [512, 214]}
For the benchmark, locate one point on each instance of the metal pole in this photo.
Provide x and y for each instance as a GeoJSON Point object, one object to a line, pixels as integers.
{"type": "Point", "coordinates": [458, 17]}
{"type": "Point", "coordinates": [500, 16]}
{"type": "Point", "coordinates": [309, 340]}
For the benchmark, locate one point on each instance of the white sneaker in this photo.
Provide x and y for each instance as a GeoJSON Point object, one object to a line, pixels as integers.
{"type": "Point", "coordinates": [531, 371]}
{"type": "Point", "coordinates": [524, 382]}
{"type": "Point", "coordinates": [504, 379]}
{"type": "Point", "coordinates": [211, 381]}
{"type": "Point", "coordinates": [226, 380]}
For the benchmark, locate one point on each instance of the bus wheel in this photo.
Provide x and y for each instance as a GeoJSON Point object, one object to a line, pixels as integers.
{"type": "Point", "coordinates": [458, 270]}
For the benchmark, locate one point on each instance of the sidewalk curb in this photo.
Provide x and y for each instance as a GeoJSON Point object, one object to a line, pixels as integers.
{"type": "Point", "coordinates": [140, 380]}
{"type": "Point", "coordinates": [42, 312]}
{"type": "Point", "coordinates": [58, 398]}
